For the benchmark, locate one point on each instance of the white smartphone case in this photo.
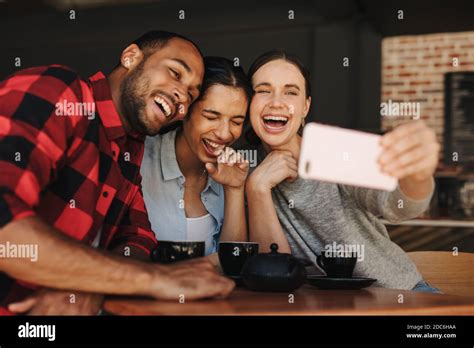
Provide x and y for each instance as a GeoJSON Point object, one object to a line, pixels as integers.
{"type": "Point", "coordinates": [343, 156]}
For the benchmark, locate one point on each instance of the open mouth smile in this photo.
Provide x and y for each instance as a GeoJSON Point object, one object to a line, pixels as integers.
{"type": "Point", "coordinates": [212, 148]}
{"type": "Point", "coordinates": [164, 106]}
{"type": "Point", "coordinates": [275, 123]}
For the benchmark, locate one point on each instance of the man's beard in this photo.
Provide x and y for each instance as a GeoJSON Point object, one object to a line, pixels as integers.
{"type": "Point", "coordinates": [133, 93]}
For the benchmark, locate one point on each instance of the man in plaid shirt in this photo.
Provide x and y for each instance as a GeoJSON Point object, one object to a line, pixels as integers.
{"type": "Point", "coordinates": [70, 155]}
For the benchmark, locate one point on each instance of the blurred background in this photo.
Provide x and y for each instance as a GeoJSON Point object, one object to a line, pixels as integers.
{"type": "Point", "coordinates": [361, 53]}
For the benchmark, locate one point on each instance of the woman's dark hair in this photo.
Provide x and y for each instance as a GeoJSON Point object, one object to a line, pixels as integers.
{"type": "Point", "coordinates": [222, 71]}
{"type": "Point", "coordinates": [260, 61]}
{"type": "Point", "coordinates": [218, 71]}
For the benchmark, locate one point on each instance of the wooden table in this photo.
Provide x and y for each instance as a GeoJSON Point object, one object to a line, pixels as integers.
{"type": "Point", "coordinates": [307, 301]}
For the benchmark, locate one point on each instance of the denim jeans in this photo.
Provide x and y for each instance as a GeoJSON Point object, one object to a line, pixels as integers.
{"type": "Point", "coordinates": [425, 287]}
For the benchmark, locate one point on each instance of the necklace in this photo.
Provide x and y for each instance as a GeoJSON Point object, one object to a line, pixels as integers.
{"type": "Point", "coordinates": [198, 179]}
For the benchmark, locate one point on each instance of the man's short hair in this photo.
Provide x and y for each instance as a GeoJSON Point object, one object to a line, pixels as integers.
{"type": "Point", "coordinates": [157, 39]}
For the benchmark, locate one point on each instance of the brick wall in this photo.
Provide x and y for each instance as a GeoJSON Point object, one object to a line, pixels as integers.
{"type": "Point", "coordinates": [413, 70]}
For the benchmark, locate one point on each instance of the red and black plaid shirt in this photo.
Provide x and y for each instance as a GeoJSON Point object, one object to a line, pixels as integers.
{"type": "Point", "coordinates": [79, 173]}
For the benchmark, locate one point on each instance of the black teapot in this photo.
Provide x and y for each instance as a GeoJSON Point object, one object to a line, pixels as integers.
{"type": "Point", "coordinates": [273, 271]}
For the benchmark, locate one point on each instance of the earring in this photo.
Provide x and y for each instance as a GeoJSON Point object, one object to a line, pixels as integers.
{"type": "Point", "coordinates": [303, 123]}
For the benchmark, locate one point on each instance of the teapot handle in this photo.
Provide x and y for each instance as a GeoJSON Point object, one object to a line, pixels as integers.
{"type": "Point", "coordinates": [319, 261]}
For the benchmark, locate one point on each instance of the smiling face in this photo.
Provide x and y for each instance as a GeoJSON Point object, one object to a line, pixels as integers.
{"type": "Point", "coordinates": [160, 88]}
{"type": "Point", "coordinates": [215, 122]}
{"type": "Point", "coordinates": [279, 103]}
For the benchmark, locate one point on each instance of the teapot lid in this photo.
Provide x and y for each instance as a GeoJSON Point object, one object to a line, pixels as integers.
{"type": "Point", "coordinates": [273, 253]}
{"type": "Point", "coordinates": [274, 250]}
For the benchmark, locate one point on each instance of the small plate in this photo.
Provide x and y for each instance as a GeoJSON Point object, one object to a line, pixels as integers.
{"type": "Point", "coordinates": [353, 283]}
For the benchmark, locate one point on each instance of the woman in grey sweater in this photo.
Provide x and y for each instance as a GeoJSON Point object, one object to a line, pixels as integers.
{"type": "Point", "coordinates": [306, 217]}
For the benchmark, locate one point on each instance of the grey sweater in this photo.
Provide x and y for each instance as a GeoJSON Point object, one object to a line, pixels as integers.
{"type": "Point", "coordinates": [315, 215]}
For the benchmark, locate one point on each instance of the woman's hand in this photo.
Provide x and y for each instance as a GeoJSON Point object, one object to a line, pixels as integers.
{"type": "Point", "coordinates": [410, 152]}
{"type": "Point", "coordinates": [278, 166]}
{"type": "Point", "coordinates": [231, 169]}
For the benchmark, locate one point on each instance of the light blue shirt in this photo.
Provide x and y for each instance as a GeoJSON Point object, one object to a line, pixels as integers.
{"type": "Point", "coordinates": [163, 192]}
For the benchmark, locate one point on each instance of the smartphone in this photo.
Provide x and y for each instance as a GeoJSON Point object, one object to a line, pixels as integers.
{"type": "Point", "coordinates": [343, 156]}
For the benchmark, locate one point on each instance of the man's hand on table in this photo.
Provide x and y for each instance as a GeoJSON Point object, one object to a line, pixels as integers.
{"type": "Point", "coordinates": [197, 278]}
{"type": "Point", "coordinates": [59, 302]}
{"type": "Point", "coordinates": [214, 259]}
{"type": "Point", "coordinates": [99, 272]}
{"type": "Point", "coordinates": [62, 302]}
{"type": "Point", "coordinates": [193, 279]}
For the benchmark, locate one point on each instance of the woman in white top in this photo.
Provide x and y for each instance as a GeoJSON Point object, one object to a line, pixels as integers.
{"type": "Point", "coordinates": [193, 182]}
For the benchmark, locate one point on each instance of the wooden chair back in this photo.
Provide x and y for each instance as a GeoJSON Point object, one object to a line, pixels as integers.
{"type": "Point", "coordinates": [453, 275]}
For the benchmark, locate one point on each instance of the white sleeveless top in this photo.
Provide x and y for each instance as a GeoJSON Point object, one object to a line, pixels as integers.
{"type": "Point", "coordinates": [201, 229]}
{"type": "Point", "coordinates": [163, 192]}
